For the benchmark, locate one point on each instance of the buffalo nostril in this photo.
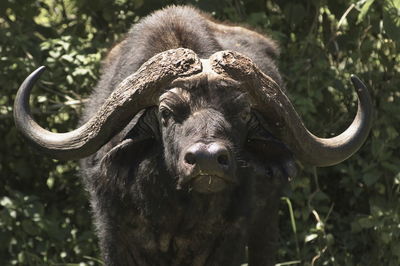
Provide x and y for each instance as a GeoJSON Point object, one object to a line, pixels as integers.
{"type": "Point", "coordinates": [223, 159]}
{"type": "Point", "coordinates": [190, 158]}
{"type": "Point", "coordinates": [208, 158]}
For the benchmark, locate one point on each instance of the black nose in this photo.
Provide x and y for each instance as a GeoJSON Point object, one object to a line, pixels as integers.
{"type": "Point", "coordinates": [213, 158]}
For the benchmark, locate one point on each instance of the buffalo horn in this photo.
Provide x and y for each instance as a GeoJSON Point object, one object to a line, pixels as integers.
{"type": "Point", "coordinates": [282, 119]}
{"type": "Point", "coordinates": [138, 91]}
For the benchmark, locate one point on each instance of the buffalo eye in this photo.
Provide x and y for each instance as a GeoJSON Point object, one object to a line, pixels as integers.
{"type": "Point", "coordinates": [165, 114]}
{"type": "Point", "coordinates": [245, 115]}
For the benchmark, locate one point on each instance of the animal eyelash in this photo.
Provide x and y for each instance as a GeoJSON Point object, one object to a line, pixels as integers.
{"type": "Point", "coordinates": [166, 113]}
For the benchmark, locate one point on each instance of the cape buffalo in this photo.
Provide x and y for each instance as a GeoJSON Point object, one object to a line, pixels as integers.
{"type": "Point", "coordinates": [187, 140]}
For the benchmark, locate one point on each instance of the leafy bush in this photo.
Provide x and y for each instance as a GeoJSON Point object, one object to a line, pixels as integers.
{"type": "Point", "coordinates": [342, 215]}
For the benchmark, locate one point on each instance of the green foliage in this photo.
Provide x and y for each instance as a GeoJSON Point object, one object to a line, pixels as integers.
{"type": "Point", "coordinates": [342, 215]}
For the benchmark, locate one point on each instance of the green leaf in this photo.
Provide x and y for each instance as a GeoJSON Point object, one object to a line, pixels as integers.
{"type": "Point", "coordinates": [310, 237]}
{"type": "Point", "coordinates": [355, 227]}
{"type": "Point", "coordinates": [366, 222]}
{"type": "Point", "coordinates": [397, 179]}
{"type": "Point", "coordinates": [295, 13]}
{"type": "Point", "coordinates": [50, 182]}
{"type": "Point", "coordinates": [7, 202]}
{"type": "Point", "coordinates": [370, 178]}
{"type": "Point", "coordinates": [364, 10]}
{"type": "Point", "coordinates": [29, 227]}
{"type": "Point", "coordinates": [138, 3]}
{"type": "Point", "coordinates": [391, 19]}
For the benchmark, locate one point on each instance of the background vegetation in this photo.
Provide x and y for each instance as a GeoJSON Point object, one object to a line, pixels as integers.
{"type": "Point", "coordinates": [348, 214]}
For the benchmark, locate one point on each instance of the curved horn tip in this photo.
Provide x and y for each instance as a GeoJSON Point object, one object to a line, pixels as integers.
{"type": "Point", "coordinates": [357, 82]}
{"type": "Point", "coordinates": [33, 76]}
{"type": "Point", "coordinates": [39, 70]}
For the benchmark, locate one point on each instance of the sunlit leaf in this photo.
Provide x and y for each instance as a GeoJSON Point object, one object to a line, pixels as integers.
{"type": "Point", "coordinates": [310, 237]}
{"type": "Point", "coordinates": [364, 10]}
{"type": "Point", "coordinates": [391, 19]}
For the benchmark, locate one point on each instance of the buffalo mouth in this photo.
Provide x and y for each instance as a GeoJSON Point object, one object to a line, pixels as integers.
{"type": "Point", "coordinates": [207, 183]}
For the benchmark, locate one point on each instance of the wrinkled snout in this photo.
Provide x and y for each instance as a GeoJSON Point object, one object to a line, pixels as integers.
{"type": "Point", "coordinates": [209, 167]}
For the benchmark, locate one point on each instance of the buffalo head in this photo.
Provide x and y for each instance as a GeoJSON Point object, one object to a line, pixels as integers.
{"type": "Point", "coordinates": [208, 111]}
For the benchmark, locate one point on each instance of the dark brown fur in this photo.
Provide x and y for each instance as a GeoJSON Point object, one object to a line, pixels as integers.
{"type": "Point", "coordinates": [143, 215]}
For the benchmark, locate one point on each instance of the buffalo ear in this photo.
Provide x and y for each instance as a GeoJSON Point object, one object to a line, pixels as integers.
{"type": "Point", "coordinates": [138, 139]}
{"type": "Point", "coordinates": [144, 126]}
{"type": "Point", "coordinates": [138, 143]}
{"type": "Point", "coordinates": [120, 165]}
{"type": "Point", "coordinates": [271, 151]}
{"type": "Point", "coordinates": [123, 159]}
{"type": "Point", "coordinates": [275, 154]}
